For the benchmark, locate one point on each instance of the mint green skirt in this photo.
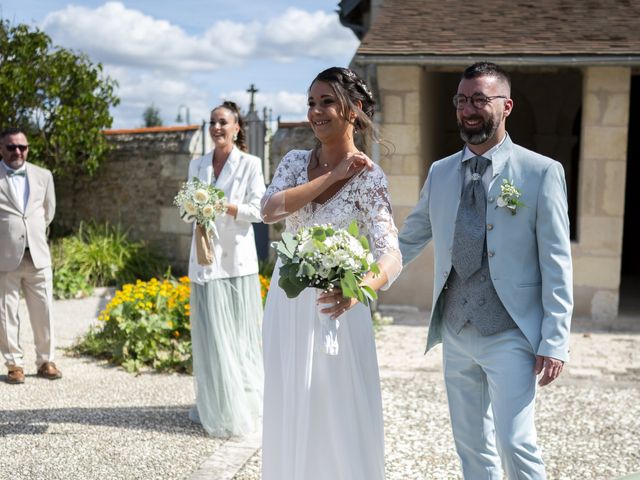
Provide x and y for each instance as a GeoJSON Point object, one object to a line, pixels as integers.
{"type": "Point", "coordinates": [226, 318]}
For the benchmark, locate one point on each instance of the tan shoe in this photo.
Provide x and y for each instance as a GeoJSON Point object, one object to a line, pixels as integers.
{"type": "Point", "coordinates": [49, 371]}
{"type": "Point", "coordinates": [15, 376]}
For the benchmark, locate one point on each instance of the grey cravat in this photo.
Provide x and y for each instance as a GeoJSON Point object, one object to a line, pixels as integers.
{"type": "Point", "coordinates": [468, 239]}
{"type": "Point", "coordinates": [19, 173]}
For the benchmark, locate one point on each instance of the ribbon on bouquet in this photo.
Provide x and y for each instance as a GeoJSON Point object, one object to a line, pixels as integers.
{"type": "Point", "coordinates": [204, 249]}
{"type": "Point", "coordinates": [326, 331]}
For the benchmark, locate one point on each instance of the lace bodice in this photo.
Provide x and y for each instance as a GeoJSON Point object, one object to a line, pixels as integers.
{"type": "Point", "coordinates": [364, 198]}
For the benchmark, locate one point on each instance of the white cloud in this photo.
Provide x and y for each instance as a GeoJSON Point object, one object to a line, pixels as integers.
{"type": "Point", "coordinates": [298, 33]}
{"type": "Point", "coordinates": [115, 34]}
{"type": "Point", "coordinates": [157, 62]}
{"type": "Point", "coordinates": [140, 89]}
{"type": "Point", "coordinates": [282, 103]}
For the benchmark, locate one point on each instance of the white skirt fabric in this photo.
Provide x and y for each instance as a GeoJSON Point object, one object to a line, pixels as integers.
{"type": "Point", "coordinates": [227, 359]}
{"type": "Point", "coordinates": [322, 413]}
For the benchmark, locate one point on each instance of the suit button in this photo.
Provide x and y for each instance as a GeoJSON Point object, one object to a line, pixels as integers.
{"type": "Point", "coordinates": [491, 253]}
{"type": "Point", "coordinates": [491, 199]}
{"type": "Point", "coordinates": [464, 301]}
{"type": "Point", "coordinates": [490, 226]}
{"type": "Point", "coordinates": [483, 278]}
{"type": "Point", "coordinates": [445, 274]}
{"type": "Point", "coordinates": [481, 302]}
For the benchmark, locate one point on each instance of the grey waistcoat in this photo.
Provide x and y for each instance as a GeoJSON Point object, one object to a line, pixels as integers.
{"type": "Point", "coordinates": [475, 301]}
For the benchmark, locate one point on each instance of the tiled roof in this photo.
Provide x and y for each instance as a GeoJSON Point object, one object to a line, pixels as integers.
{"type": "Point", "coordinates": [504, 27]}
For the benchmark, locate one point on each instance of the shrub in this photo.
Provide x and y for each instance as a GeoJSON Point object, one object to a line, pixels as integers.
{"type": "Point", "coordinates": [101, 255]}
{"type": "Point", "coordinates": [145, 324]}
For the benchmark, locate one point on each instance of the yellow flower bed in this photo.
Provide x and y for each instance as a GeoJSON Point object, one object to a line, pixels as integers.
{"type": "Point", "coordinates": [265, 282]}
{"type": "Point", "coordinates": [152, 297]}
{"type": "Point", "coordinates": [147, 324]}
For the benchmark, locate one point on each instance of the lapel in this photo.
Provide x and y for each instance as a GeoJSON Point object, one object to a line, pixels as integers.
{"type": "Point", "coordinates": [205, 168]}
{"type": "Point", "coordinates": [31, 186]}
{"type": "Point", "coordinates": [8, 191]}
{"type": "Point", "coordinates": [228, 171]}
{"type": "Point", "coordinates": [500, 166]}
{"type": "Point", "coordinates": [447, 189]}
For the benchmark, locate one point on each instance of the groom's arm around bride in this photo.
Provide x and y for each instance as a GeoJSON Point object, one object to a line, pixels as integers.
{"type": "Point", "coordinates": [502, 299]}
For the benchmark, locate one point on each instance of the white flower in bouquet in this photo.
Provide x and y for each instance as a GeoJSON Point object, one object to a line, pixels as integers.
{"type": "Point", "coordinates": [201, 202]}
{"type": "Point", "coordinates": [208, 211]}
{"type": "Point", "coordinates": [324, 257]}
{"type": "Point", "coordinates": [190, 208]}
{"type": "Point", "coordinates": [201, 196]}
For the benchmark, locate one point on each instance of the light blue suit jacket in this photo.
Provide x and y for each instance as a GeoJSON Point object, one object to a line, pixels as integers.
{"type": "Point", "coordinates": [529, 252]}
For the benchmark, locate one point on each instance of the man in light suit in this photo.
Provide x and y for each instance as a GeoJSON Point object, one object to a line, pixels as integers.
{"type": "Point", "coordinates": [27, 206]}
{"type": "Point", "coordinates": [502, 300]}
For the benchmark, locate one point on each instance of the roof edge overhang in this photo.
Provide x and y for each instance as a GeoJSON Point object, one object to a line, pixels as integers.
{"type": "Point", "coordinates": [505, 60]}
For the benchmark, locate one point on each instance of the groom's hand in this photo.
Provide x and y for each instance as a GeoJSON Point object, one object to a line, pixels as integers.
{"type": "Point", "coordinates": [550, 368]}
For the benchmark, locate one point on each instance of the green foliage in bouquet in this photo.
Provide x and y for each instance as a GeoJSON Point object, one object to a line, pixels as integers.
{"type": "Point", "coordinates": [326, 258]}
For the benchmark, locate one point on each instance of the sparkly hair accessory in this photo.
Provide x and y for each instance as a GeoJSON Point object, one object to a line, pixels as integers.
{"type": "Point", "coordinates": [359, 83]}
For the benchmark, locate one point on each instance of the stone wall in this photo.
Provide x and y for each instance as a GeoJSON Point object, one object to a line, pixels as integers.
{"type": "Point", "coordinates": [603, 158]}
{"type": "Point", "coordinates": [402, 159]}
{"type": "Point", "coordinates": [135, 187]}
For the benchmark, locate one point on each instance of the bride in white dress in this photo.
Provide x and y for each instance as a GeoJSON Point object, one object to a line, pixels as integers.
{"type": "Point", "coordinates": [323, 413]}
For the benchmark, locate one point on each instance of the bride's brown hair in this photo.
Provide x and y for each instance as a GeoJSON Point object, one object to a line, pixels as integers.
{"type": "Point", "coordinates": [351, 91]}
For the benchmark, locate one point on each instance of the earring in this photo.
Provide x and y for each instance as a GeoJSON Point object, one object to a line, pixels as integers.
{"type": "Point", "coordinates": [235, 137]}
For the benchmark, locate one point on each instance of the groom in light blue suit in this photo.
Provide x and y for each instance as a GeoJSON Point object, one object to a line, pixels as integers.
{"type": "Point", "coordinates": [502, 299]}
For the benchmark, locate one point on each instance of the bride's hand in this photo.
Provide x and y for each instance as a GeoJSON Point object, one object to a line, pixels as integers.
{"type": "Point", "coordinates": [352, 164]}
{"type": "Point", "coordinates": [336, 303]}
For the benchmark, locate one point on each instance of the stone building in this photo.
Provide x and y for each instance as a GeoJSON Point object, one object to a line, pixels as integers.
{"type": "Point", "coordinates": [135, 187]}
{"type": "Point", "coordinates": [575, 67]}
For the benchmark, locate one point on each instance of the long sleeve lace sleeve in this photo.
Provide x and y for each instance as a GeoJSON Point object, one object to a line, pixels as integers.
{"type": "Point", "coordinates": [378, 218]}
{"type": "Point", "coordinates": [287, 175]}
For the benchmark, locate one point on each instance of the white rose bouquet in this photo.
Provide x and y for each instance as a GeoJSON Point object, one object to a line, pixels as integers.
{"type": "Point", "coordinates": [201, 203]}
{"type": "Point", "coordinates": [326, 258]}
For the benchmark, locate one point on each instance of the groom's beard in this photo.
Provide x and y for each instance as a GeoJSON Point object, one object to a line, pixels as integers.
{"type": "Point", "coordinates": [479, 135]}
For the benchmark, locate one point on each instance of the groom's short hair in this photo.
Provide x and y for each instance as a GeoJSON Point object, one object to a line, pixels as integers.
{"type": "Point", "coordinates": [481, 69]}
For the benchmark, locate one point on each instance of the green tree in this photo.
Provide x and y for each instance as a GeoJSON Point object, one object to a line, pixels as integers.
{"type": "Point", "coordinates": [59, 97]}
{"type": "Point", "coordinates": [151, 116]}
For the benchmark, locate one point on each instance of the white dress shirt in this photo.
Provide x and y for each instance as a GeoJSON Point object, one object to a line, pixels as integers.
{"type": "Point", "coordinates": [19, 184]}
{"type": "Point", "coordinates": [487, 176]}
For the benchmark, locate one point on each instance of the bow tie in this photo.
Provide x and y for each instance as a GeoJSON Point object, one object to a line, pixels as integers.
{"type": "Point", "coordinates": [19, 173]}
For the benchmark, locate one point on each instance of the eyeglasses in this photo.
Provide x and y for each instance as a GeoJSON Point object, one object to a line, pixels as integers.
{"type": "Point", "coordinates": [478, 100]}
{"type": "Point", "coordinates": [13, 148]}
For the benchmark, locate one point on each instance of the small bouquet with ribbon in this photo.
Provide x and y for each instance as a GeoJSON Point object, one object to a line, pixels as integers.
{"type": "Point", "coordinates": [201, 203]}
{"type": "Point", "coordinates": [326, 258]}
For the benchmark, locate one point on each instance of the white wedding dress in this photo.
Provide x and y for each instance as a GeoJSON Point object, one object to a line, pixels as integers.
{"type": "Point", "coordinates": [323, 413]}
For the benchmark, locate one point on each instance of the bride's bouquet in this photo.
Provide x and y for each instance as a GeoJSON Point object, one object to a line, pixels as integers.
{"type": "Point", "coordinates": [201, 203]}
{"type": "Point", "coordinates": [326, 258]}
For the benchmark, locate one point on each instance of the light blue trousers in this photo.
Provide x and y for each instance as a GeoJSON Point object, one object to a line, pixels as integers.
{"type": "Point", "coordinates": [491, 387]}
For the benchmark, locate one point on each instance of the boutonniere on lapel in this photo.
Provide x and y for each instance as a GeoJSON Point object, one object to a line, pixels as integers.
{"type": "Point", "coordinates": [509, 197]}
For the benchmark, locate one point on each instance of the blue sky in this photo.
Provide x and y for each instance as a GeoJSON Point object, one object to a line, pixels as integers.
{"type": "Point", "coordinates": [195, 53]}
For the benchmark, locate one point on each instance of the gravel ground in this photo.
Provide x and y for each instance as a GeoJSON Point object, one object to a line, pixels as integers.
{"type": "Point", "coordinates": [97, 422]}
{"type": "Point", "coordinates": [588, 421]}
{"type": "Point", "coordinates": [100, 422]}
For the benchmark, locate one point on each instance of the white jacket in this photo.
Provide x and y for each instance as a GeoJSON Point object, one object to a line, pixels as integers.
{"type": "Point", "coordinates": [234, 250]}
